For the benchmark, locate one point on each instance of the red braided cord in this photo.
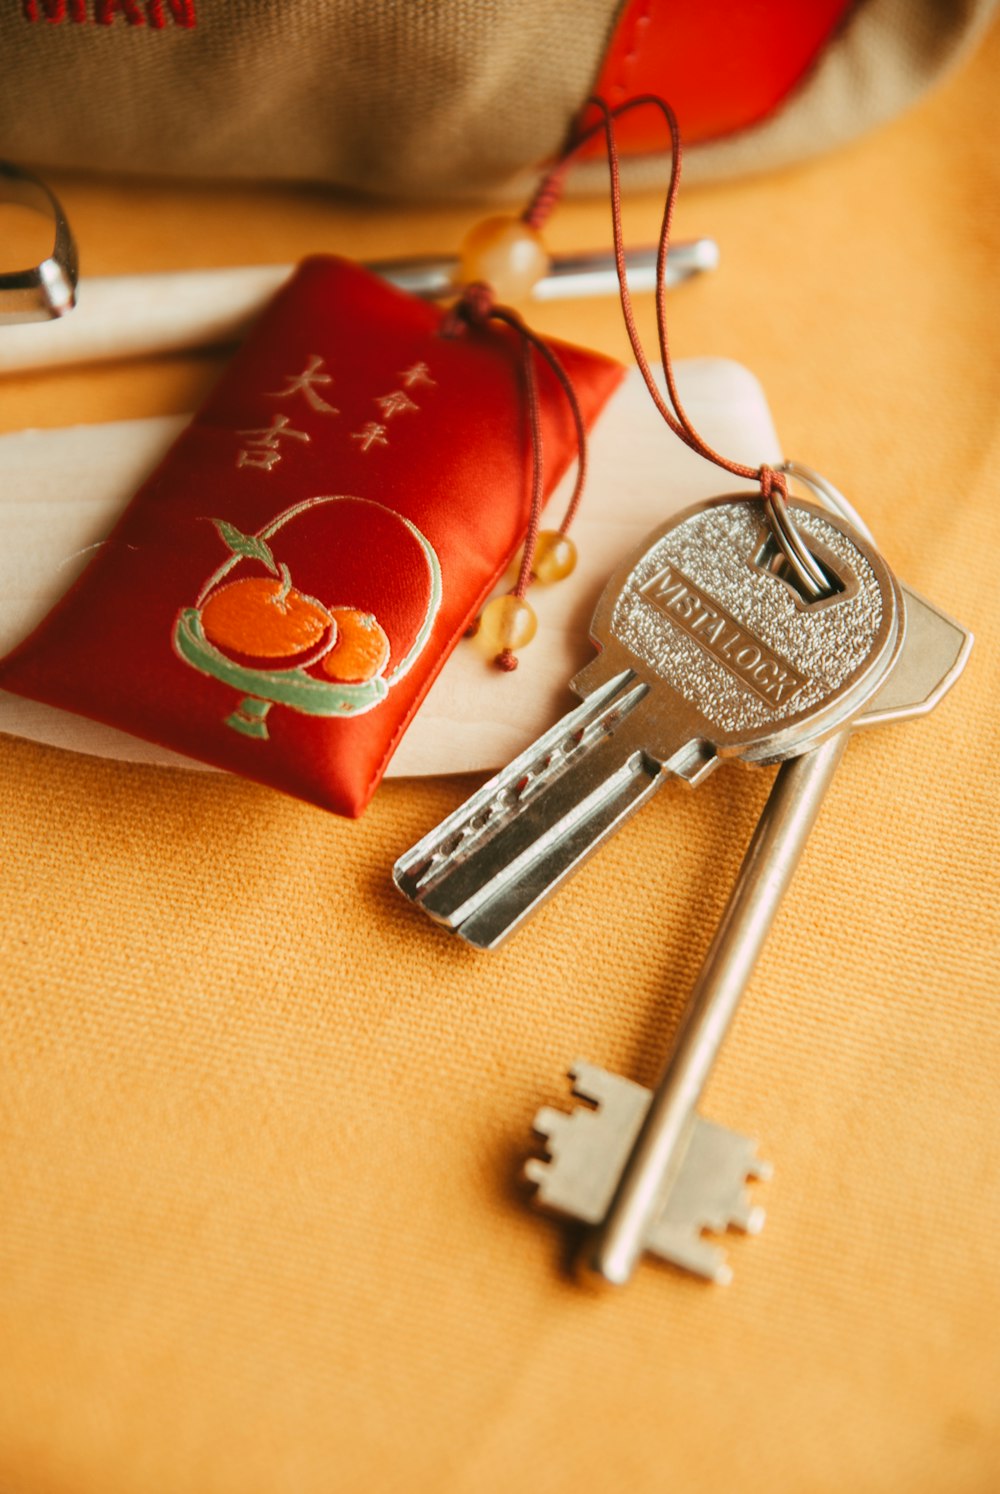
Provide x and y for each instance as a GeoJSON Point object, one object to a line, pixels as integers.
{"type": "Point", "coordinates": [504, 314]}
{"type": "Point", "coordinates": [544, 200]}
{"type": "Point", "coordinates": [475, 307]}
{"type": "Point", "coordinates": [537, 458]}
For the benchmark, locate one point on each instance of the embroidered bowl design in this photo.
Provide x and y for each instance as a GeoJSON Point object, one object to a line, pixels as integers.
{"type": "Point", "coordinates": [278, 643]}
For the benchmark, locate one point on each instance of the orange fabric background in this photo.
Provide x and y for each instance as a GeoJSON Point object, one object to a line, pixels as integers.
{"type": "Point", "coordinates": [261, 1125]}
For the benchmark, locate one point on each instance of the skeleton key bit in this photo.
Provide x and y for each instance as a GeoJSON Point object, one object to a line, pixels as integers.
{"type": "Point", "coordinates": [707, 650]}
{"type": "Point", "coordinates": [644, 1170]}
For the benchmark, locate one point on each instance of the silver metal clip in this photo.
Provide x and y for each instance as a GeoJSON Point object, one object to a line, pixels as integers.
{"type": "Point", "coordinates": [48, 289]}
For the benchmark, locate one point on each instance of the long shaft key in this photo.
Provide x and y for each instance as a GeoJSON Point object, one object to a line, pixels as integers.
{"type": "Point", "coordinates": [707, 650]}
{"type": "Point", "coordinates": [643, 1169]}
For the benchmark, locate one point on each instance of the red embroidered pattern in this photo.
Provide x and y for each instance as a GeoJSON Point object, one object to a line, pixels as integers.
{"type": "Point", "coordinates": [156, 14]}
{"type": "Point", "coordinates": [280, 606]}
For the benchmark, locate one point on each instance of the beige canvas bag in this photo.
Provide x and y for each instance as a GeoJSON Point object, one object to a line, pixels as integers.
{"type": "Point", "coordinates": [417, 100]}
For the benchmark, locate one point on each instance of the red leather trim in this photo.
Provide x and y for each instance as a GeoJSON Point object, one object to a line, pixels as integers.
{"type": "Point", "coordinates": [722, 64]}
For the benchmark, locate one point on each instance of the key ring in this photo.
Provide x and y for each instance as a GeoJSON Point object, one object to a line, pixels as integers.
{"type": "Point", "coordinates": [49, 289]}
{"type": "Point", "coordinates": [827, 493]}
{"type": "Point", "coordinates": [796, 552]}
{"type": "Point", "coordinates": [786, 533]}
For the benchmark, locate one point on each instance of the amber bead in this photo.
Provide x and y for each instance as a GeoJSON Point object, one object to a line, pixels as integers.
{"type": "Point", "coordinates": [506, 623]}
{"type": "Point", "coordinates": [555, 557]}
{"type": "Point", "coordinates": [506, 254]}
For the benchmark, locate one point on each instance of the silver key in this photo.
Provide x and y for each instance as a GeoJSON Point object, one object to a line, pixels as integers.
{"type": "Point", "coordinates": [643, 1169]}
{"type": "Point", "coordinates": [707, 651]}
{"type": "Point", "coordinates": [588, 1150]}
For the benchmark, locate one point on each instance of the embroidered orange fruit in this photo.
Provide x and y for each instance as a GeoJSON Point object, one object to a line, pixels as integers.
{"type": "Point", "coordinates": [361, 650]}
{"type": "Point", "coordinates": [264, 617]}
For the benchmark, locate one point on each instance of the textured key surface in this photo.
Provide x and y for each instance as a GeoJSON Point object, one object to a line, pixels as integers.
{"type": "Point", "coordinates": [587, 1151]}
{"type": "Point", "coordinates": [706, 609]}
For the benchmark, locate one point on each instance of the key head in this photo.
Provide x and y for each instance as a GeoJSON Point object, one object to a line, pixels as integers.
{"type": "Point", "coordinates": [706, 613]}
{"type": "Point", "coordinates": [935, 651]}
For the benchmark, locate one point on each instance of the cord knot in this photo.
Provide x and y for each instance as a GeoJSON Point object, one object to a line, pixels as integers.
{"type": "Point", "coordinates": [473, 308]}
{"type": "Point", "coordinates": [772, 483]}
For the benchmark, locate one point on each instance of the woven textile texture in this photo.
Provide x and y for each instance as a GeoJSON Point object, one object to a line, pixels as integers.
{"type": "Point", "coordinates": [262, 1125]}
{"type": "Point", "coordinates": [415, 100]}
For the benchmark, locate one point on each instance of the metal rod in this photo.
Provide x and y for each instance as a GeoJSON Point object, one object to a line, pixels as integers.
{"type": "Point", "coordinates": [129, 316]}
{"type": "Point", "coordinates": [611, 1251]}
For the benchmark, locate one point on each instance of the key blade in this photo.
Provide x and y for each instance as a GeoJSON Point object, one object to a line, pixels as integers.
{"type": "Point", "coordinates": [539, 847]}
{"type": "Point", "coordinates": [934, 653]}
{"type": "Point", "coordinates": [513, 844]}
{"type": "Point", "coordinates": [495, 911]}
{"type": "Point", "coordinates": [493, 862]}
{"type": "Point", "coordinates": [479, 818]}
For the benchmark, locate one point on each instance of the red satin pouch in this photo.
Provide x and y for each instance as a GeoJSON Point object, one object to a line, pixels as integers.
{"type": "Point", "coordinates": [278, 597]}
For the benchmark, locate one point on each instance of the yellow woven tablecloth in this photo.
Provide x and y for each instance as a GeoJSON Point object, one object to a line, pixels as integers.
{"type": "Point", "coordinates": [261, 1125]}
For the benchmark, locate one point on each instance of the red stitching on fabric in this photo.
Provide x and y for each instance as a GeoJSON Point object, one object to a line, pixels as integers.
{"type": "Point", "coordinates": [182, 12]}
{"type": "Point", "coordinates": [54, 10]}
{"type": "Point", "coordinates": [104, 12]}
{"type": "Point", "coordinates": [157, 13]}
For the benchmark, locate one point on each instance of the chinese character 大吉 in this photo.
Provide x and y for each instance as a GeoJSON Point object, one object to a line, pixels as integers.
{"type": "Point", "coordinates": [262, 446]}
{"type": "Point", "coordinates": [305, 384]}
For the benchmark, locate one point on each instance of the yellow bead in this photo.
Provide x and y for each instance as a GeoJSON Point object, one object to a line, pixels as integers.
{"type": "Point", "coordinates": [506, 622]}
{"type": "Point", "coordinates": [555, 557]}
{"type": "Point", "coordinates": [506, 254]}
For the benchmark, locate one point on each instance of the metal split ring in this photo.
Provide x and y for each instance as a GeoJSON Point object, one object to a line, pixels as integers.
{"type": "Point", "coordinates": [827, 493]}
{"type": "Point", "coordinates": [811, 577]}
{"type": "Point", "coordinates": [49, 289]}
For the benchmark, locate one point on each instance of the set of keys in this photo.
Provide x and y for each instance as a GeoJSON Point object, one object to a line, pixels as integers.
{"type": "Point", "coordinates": [710, 647]}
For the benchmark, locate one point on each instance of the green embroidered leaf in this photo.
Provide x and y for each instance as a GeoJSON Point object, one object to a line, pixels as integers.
{"type": "Point", "coordinates": [247, 545]}
{"type": "Point", "coordinates": [286, 585]}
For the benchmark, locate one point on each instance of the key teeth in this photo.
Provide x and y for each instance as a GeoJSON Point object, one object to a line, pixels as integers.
{"type": "Point", "coordinates": [548, 1127]}
{"type": "Point", "coordinates": [709, 1194]}
{"type": "Point", "coordinates": [755, 1220]}
{"type": "Point", "coordinates": [586, 1146]}
{"type": "Point", "coordinates": [555, 1127]}
{"type": "Point", "coordinates": [547, 1122]}
{"type": "Point", "coordinates": [536, 1171]}
{"type": "Point", "coordinates": [599, 1087]}
{"type": "Point", "coordinates": [588, 1082]}
{"type": "Point", "coordinates": [746, 1216]}
{"type": "Point", "coordinates": [694, 1253]}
